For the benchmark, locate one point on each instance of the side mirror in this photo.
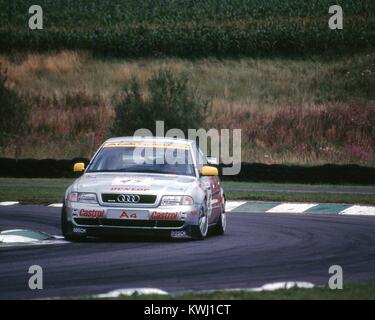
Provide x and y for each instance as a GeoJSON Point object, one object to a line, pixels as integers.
{"type": "Point", "coordinates": [212, 161]}
{"type": "Point", "coordinates": [209, 171]}
{"type": "Point", "coordinates": [79, 167]}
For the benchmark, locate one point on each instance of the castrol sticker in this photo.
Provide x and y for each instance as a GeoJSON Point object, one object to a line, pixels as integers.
{"type": "Point", "coordinates": [157, 215]}
{"type": "Point", "coordinates": [91, 213]}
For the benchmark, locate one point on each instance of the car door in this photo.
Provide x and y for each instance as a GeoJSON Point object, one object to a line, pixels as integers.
{"type": "Point", "coordinates": [212, 188]}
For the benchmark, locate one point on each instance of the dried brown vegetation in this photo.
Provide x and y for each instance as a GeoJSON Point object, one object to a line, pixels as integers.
{"type": "Point", "coordinates": [290, 110]}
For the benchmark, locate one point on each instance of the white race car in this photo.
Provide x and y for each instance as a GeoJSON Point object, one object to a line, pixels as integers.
{"type": "Point", "coordinates": [145, 185]}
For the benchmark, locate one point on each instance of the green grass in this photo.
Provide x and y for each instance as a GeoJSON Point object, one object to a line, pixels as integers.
{"type": "Point", "coordinates": [34, 191]}
{"type": "Point", "coordinates": [52, 190]}
{"type": "Point", "coordinates": [351, 291]}
{"type": "Point", "coordinates": [59, 182]}
{"type": "Point", "coordinates": [293, 185]}
{"type": "Point", "coordinates": [39, 195]}
{"type": "Point", "coordinates": [319, 197]}
{"type": "Point", "coordinates": [301, 197]}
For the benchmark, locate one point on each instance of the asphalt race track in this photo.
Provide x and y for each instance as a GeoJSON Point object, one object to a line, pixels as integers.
{"type": "Point", "coordinates": [257, 249]}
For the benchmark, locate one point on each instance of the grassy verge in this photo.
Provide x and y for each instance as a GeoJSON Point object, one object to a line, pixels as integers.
{"type": "Point", "coordinates": [350, 291]}
{"type": "Point", "coordinates": [301, 197]}
{"type": "Point", "coordinates": [52, 190]}
{"type": "Point", "coordinates": [34, 191]}
{"type": "Point", "coordinates": [32, 195]}
{"type": "Point", "coordinates": [319, 197]}
{"type": "Point", "coordinates": [294, 185]}
{"type": "Point", "coordinates": [60, 182]}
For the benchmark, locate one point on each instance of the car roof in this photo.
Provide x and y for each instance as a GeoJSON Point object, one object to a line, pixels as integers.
{"type": "Point", "coordinates": [150, 139]}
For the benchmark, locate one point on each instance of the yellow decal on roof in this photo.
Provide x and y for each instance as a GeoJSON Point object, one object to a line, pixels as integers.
{"type": "Point", "coordinates": [146, 145]}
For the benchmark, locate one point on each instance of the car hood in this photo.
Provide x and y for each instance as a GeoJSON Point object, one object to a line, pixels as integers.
{"type": "Point", "coordinates": [132, 182]}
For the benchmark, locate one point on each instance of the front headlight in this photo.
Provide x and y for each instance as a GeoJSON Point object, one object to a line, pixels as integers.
{"type": "Point", "coordinates": [177, 201]}
{"type": "Point", "coordinates": [84, 197]}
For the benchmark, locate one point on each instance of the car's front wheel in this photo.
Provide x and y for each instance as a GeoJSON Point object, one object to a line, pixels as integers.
{"type": "Point", "coordinates": [67, 228]}
{"type": "Point", "coordinates": [199, 232]}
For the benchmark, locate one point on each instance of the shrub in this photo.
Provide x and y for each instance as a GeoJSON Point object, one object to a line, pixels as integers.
{"type": "Point", "coordinates": [334, 133]}
{"type": "Point", "coordinates": [170, 99]}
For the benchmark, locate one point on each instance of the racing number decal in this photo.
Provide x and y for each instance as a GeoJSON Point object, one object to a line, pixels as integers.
{"type": "Point", "coordinates": [126, 215]}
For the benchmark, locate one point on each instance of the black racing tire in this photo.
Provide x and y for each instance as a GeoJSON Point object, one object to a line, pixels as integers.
{"type": "Point", "coordinates": [67, 228]}
{"type": "Point", "coordinates": [200, 231]}
{"type": "Point", "coordinates": [221, 224]}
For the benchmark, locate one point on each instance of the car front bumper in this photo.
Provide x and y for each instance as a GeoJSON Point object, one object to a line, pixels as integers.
{"type": "Point", "coordinates": [94, 219]}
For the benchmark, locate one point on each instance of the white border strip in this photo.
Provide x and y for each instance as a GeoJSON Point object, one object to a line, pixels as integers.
{"type": "Point", "coordinates": [131, 291]}
{"type": "Point", "coordinates": [231, 205]}
{"type": "Point", "coordinates": [359, 210]}
{"type": "Point", "coordinates": [274, 286]}
{"type": "Point", "coordinates": [32, 244]}
{"type": "Point", "coordinates": [9, 203]}
{"type": "Point", "coordinates": [56, 205]}
{"type": "Point", "coordinates": [292, 207]}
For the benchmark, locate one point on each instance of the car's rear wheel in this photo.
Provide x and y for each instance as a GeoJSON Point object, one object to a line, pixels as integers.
{"type": "Point", "coordinates": [67, 228]}
{"type": "Point", "coordinates": [199, 232]}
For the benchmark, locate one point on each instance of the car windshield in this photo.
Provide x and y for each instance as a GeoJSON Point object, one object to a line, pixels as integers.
{"type": "Point", "coordinates": [167, 159]}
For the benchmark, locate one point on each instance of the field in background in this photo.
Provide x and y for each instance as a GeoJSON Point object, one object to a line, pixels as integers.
{"type": "Point", "coordinates": [314, 109]}
{"type": "Point", "coordinates": [300, 92]}
{"type": "Point", "coordinates": [188, 28]}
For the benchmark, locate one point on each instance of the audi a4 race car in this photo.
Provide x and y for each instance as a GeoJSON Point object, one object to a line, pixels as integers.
{"type": "Point", "coordinates": [145, 185]}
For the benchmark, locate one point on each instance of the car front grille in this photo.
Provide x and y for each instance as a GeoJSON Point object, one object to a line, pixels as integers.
{"type": "Point", "coordinates": [129, 223]}
{"type": "Point", "coordinates": [128, 199]}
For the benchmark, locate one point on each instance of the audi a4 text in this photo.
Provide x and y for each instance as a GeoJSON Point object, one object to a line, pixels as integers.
{"type": "Point", "coordinates": [145, 185]}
